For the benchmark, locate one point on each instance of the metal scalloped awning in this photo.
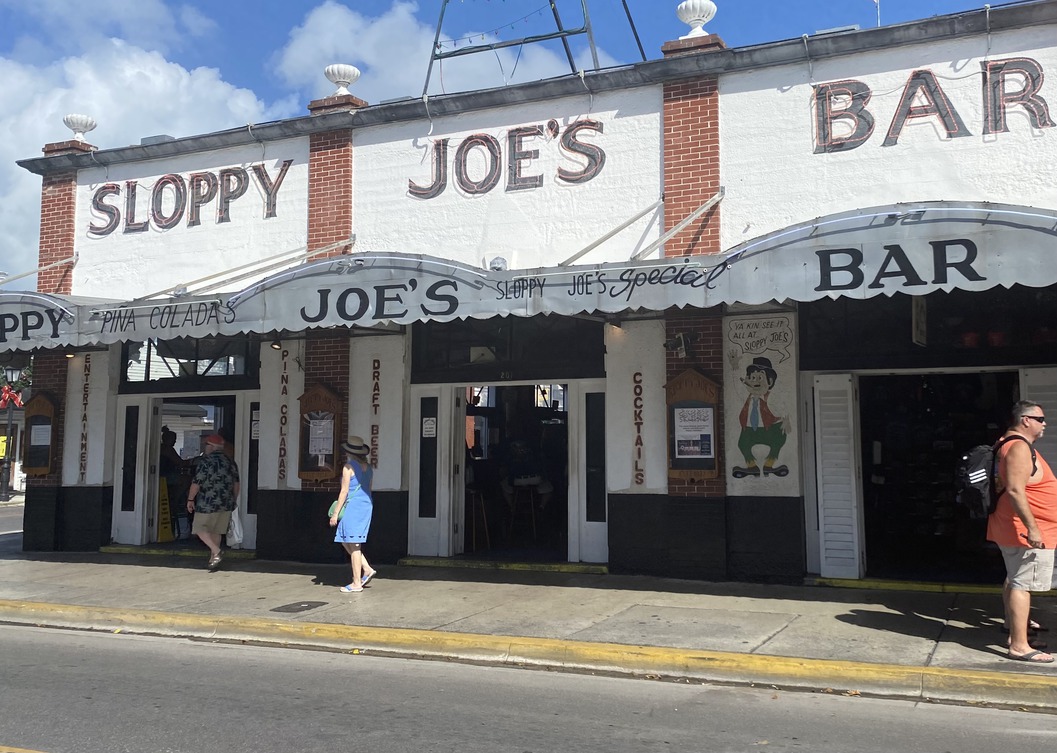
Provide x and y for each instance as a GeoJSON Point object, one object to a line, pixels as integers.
{"type": "Point", "coordinates": [914, 248]}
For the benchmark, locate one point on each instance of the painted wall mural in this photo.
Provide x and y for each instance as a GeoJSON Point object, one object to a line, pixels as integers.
{"type": "Point", "coordinates": [760, 404]}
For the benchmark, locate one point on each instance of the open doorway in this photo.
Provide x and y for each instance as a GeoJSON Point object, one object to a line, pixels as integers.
{"type": "Point", "coordinates": [517, 475]}
{"type": "Point", "coordinates": [914, 428]}
{"type": "Point", "coordinates": [184, 424]}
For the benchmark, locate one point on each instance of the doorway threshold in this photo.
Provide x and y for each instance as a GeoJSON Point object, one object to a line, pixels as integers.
{"type": "Point", "coordinates": [885, 584]}
{"type": "Point", "coordinates": [486, 564]}
{"type": "Point", "coordinates": [175, 550]}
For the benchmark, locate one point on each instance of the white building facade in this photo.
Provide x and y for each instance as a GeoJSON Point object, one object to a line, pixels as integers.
{"type": "Point", "coordinates": [743, 306]}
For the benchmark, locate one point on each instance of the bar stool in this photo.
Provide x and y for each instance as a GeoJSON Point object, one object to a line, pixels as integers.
{"type": "Point", "coordinates": [475, 501]}
{"type": "Point", "coordinates": [523, 496]}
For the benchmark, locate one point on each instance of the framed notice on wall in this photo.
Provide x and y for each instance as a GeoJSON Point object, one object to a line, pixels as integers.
{"type": "Point", "coordinates": [319, 434]}
{"type": "Point", "coordinates": [693, 435]}
{"type": "Point", "coordinates": [38, 447]}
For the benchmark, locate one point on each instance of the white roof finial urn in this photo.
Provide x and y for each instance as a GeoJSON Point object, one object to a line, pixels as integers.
{"type": "Point", "coordinates": [79, 124]}
{"type": "Point", "coordinates": [343, 76]}
{"type": "Point", "coordinates": [695, 14]}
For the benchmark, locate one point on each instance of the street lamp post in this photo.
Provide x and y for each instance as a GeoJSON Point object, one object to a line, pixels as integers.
{"type": "Point", "coordinates": [12, 374]}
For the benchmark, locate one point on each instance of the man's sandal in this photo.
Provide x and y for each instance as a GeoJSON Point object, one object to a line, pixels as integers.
{"type": "Point", "coordinates": [1031, 657]}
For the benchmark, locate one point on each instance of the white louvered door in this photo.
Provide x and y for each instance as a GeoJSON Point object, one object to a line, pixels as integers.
{"type": "Point", "coordinates": [839, 476]}
{"type": "Point", "coordinates": [1040, 385]}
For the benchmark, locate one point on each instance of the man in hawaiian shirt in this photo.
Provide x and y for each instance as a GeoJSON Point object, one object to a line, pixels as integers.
{"type": "Point", "coordinates": [214, 493]}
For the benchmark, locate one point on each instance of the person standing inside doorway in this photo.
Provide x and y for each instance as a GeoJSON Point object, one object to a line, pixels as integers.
{"type": "Point", "coordinates": [1024, 524]}
{"type": "Point", "coordinates": [214, 493]}
{"type": "Point", "coordinates": [171, 468]}
{"type": "Point", "coordinates": [355, 498]}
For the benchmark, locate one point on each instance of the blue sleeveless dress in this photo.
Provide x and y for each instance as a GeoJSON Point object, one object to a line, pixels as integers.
{"type": "Point", "coordinates": [356, 522]}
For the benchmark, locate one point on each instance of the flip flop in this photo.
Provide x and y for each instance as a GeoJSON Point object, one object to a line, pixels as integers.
{"type": "Point", "coordinates": [368, 576]}
{"type": "Point", "coordinates": [1030, 657]}
{"type": "Point", "coordinates": [351, 589]}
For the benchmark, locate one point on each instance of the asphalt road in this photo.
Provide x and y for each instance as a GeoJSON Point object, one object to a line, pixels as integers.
{"type": "Point", "coordinates": [11, 529]}
{"type": "Point", "coordinates": [101, 693]}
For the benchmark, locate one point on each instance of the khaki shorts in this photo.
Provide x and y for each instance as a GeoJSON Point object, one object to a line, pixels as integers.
{"type": "Point", "coordinates": [211, 522]}
{"type": "Point", "coordinates": [1028, 569]}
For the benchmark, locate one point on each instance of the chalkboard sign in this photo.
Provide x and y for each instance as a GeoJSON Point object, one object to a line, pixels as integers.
{"type": "Point", "coordinates": [39, 441]}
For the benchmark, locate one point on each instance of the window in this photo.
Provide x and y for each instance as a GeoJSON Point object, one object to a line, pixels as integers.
{"type": "Point", "coordinates": [188, 363]}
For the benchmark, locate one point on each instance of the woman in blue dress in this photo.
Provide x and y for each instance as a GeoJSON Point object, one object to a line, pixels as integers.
{"type": "Point", "coordinates": [353, 526]}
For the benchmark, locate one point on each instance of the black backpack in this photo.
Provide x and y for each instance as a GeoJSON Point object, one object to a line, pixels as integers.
{"type": "Point", "coordinates": [975, 476]}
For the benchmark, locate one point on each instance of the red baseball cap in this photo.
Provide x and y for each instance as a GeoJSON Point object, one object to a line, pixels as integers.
{"type": "Point", "coordinates": [215, 439]}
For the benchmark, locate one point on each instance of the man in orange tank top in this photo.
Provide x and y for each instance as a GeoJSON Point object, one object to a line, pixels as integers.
{"type": "Point", "coordinates": [1024, 524]}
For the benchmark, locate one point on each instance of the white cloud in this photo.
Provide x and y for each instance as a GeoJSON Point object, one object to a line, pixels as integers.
{"type": "Point", "coordinates": [112, 64]}
{"type": "Point", "coordinates": [71, 27]}
{"type": "Point", "coordinates": [393, 50]}
{"type": "Point", "coordinates": [130, 92]}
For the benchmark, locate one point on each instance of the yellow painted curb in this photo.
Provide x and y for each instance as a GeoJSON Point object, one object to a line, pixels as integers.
{"type": "Point", "coordinates": [541, 567]}
{"type": "Point", "coordinates": [939, 684]}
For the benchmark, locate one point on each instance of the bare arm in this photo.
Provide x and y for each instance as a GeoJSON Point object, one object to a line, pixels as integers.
{"type": "Point", "coordinates": [346, 474]}
{"type": "Point", "coordinates": [192, 492]}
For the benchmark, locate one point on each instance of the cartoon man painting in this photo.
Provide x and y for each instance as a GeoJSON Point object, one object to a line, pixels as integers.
{"type": "Point", "coordinates": [759, 426]}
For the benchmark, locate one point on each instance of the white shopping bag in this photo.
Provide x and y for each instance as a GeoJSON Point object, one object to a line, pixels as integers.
{"type": "Point", "coordinates": [234, 536]}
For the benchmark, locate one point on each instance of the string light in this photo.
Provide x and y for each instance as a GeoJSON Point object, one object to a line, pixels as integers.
{"type": "Point", "coordinates": [494, 32]}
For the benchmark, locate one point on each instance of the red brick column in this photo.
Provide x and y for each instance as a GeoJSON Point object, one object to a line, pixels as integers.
{"type": "Point", "coordinates": [691, 178]}
{"type": "Point", "coordinates": [329, 189]}
{"type": "Point", "coordinates": [58, 205]}
{"type": "Point", "coordinates": [691, 164]}
{"type": "Point", "coordinates": [329, 221]}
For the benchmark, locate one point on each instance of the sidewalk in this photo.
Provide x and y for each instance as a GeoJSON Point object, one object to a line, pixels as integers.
{"type": "Point", "coordinates": [943, 646]}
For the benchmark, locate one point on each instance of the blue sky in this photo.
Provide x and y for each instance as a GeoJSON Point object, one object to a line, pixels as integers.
{"type": "Point", "coordinates": [145, 67]}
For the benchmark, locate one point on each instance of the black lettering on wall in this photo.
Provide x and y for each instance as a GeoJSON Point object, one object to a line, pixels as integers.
{"type": "Point", "coordinates": [826, 97]}
{"type": "Point", "coordinates": [157, 201]}
{"type": "Point", "coordinates": [440, 174]}
{"type": "Point", "coordinates": [131, 225]}
{"type": "Point", "coordinates": [595, 155]}
{"type": "Point", "coordinates": [923, 84]}
{"type": "Point", "coordinates": [997, 99]}
{"type": "Point", "coordinates": [203, 189]}
{"type": "Point", "coordinates": [493, 155]}
{"type": "Point", "coordinates": [516, 154]}
{"type": "Point", "coordinates": [270, 187]}
{"type": "Point", "coordinates": [233, 183]}
{"type": "Point", "coordinates": [112, 213]}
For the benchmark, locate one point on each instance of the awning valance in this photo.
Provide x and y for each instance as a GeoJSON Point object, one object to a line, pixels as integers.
{"type": "Point", "coordinates": [913, 248]}
{"type": "Point", "coordinates": [31, 321]}
{"type": "Point", "coordinates": [905, 248]}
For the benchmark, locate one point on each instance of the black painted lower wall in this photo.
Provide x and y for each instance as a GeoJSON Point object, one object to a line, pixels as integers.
{"type": "Point", "coordinates": [292, 525]}
{"type": "Point", "coordinates": [67, 519]}
{"type": "Point", "coordinates": [756, 539]}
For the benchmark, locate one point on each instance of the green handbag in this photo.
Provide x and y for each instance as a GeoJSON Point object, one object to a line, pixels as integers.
{"type": "Point", "coordinates": [333, 507]}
